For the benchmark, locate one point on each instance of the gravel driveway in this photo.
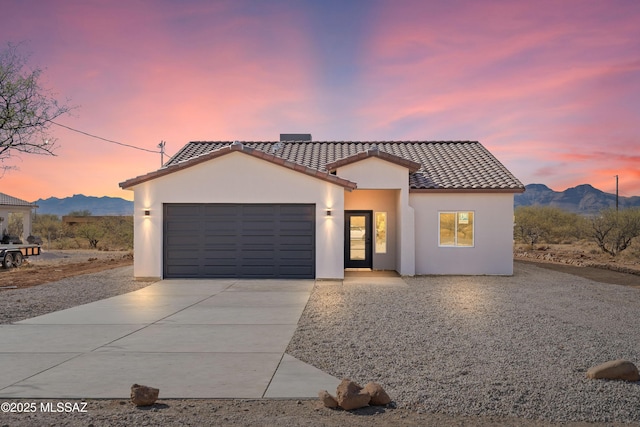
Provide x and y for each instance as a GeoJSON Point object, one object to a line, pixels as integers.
{"type": "Point", "coordinates": [481, 345]}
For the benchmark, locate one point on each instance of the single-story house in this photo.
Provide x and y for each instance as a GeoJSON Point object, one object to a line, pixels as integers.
{"type": "Point", "coordinates": [13, 205]}
{"type": "Point", "coordinates": [306, 209]}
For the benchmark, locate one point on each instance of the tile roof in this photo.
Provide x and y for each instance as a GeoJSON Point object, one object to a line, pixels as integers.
{"type": "Point", "coordinates": [7, 200]}
{"type": "Point", "coordinates": [433, 165]}
{"type": "Point", "coordinates": [239, 147]}
{"type": "Point", "coordinates": [373, 152]}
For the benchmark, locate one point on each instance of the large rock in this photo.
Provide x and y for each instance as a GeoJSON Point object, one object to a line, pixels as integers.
{"type": "Point", "coordinates": [142, 395]}
{"type": "Point", "coordinates": [351, 396]}
{"type": "Point", "coordinates": [379, 397]}
{"type": "Point", "coordinates": [328, 400]}
{"type": "Point", "coordinates": [615, 370]}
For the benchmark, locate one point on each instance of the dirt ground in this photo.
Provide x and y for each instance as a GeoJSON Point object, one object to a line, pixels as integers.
{"type": "Point", "coordinates": [56, 265]}
{"type": "Point", "coordinates": [584, 260]}
{"type": "Point", "coordinates": [51, 266]}
{"type": "Point", "coordinates": [223, 412]}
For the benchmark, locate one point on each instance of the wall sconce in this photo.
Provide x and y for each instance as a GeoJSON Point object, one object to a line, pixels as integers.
{"type": "Point", "coordinates": [147, 212]}
{"type": "Point", "coordinates": [329, 212]}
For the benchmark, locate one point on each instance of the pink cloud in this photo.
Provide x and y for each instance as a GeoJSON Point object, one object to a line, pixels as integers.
{"type": "Point", "coordinates": [544, 86]}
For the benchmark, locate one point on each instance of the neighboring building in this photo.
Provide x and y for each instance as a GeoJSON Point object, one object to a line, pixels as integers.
{"type": "Point", "coordinates": [13, 205]}
{"type": "Point", "coordinates": [75, 220]}
{"type": "Point", "coordinates": [311, 209]}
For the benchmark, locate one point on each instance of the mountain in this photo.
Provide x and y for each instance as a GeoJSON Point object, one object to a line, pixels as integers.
{"type": "Point", "coordinates": [79, 202]}
{"type": "Point", "coordinates": [583, 199]}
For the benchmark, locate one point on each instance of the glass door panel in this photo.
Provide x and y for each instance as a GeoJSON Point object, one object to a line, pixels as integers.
{"type": "Point", "coordinates": [357, 238]}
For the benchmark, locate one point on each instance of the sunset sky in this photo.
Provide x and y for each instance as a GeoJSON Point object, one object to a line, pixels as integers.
{"type": "Point", "coordinates": [551, 88]}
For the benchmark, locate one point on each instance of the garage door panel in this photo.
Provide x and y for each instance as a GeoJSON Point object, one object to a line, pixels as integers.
{"type": "Point", "coordinates": [290, 255]}
{"type": "Point", "coordinates": [239, 240]}
{"type": "Point", "coordinates": [213, 241]}
{"type": "Point", "coordinates": [181, 258]}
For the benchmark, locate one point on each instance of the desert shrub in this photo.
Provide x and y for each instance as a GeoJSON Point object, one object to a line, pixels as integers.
{"type": "Point", "coordinates": [104, 233]}
{"type": "Point", "coordinates": [545, 224]}
{"type": "Point", "coordinates": [118, 233]}
{"type": "Point", "coordinates": [66, 242]}
{"type": "Point", "coordinates": [48, 227]}
{"type": "Point", "coordinates": [614, 231]}
{"type": "Point", "coordinates": [107, 233]}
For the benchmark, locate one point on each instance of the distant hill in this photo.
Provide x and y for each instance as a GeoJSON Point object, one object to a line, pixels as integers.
{"type": "Point", "coordinates": [96, 205]}
{"type": "Point", "coordinates": [583, 199]}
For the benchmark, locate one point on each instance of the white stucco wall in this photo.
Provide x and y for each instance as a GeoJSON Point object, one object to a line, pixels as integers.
{"type": "Point", "coordinates": [238, 178]}
{"type": "Point", "coordinates": [493, 242]}
{"type": "Point", "coordinates": [374, 173]}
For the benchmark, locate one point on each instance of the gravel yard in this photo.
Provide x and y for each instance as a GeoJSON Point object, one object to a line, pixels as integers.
{"type": "Point", "coordinates": [20, 304]}
{"type": "Point", "coordinates": [457, 350]}
{"type": "Point", "coordinates": [506, 346]}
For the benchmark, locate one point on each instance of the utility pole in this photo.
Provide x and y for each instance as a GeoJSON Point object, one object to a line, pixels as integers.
{"type": "Point", "coordinates": [161, 147]}
{"type": "Point", "coordinates": [616, 193]}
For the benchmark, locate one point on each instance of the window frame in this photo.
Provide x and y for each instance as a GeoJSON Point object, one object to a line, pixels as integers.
{"type": "Point", "coordinates": [455, 232]}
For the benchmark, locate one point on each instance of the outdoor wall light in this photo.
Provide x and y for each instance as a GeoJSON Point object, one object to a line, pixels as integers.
{"type": "Point", "coordinates": [147, 212]}
{"type": "Point", "coordinates": [329, 212]}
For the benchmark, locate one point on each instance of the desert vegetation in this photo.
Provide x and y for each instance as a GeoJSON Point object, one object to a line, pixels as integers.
{"type": "Point", "coordinates": [104, 233]}
{"type": "Point", "coordinates": [611, 231]}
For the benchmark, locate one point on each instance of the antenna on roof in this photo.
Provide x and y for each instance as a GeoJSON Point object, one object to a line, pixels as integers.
{"type": "Point", "coordinates": [161, 147]}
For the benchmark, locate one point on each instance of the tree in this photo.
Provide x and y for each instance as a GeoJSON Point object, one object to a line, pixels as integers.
{"type": "Point", "coordinates": [545, 223]}
{"type": "Point", "coordinates": [93, 232]}
{"type": "Point", "coordinates": [613, 231]}
{"type": "Point", "coordinates": [26, 108]}
{"type": "Point", "coordinates": [48, 226]}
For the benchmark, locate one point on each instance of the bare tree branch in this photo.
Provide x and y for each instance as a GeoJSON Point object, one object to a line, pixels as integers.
{"type": "Point", "coordinates": [26, 108]}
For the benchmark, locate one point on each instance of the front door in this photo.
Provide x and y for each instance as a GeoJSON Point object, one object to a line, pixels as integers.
{"type": "Point", "coordinates": [357, 239]}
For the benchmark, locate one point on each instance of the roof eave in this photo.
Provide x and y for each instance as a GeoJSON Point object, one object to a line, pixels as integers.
{"type": "Point", "coordinates": [371, 153]}
{"type": "Point", "coordinates": [238, 147]}
{"type": "Point", "coordinates": [467, 190]}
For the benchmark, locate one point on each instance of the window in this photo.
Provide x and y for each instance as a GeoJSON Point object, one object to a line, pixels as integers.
{"type": "Point", "coordinates": [456, 229]}
{"type": "Point", "coordinates": [381, 232]}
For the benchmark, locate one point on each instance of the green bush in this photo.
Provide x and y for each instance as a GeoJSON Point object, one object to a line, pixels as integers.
{"type": "Point", "coordinates": [545, 224]}
{"type": "Point", "coordinates": [105, 233]}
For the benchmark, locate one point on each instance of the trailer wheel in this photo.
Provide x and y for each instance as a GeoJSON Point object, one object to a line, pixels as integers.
{"type": "Point", "coordinates": [8, 260]}
{"type": "Point", "coordinates": [18, 259]}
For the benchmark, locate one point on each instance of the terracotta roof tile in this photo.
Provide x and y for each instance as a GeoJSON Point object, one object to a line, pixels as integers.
{"type": "Point", "coordinates": [433, 165]}
{"type": "Point", "coordinates": [7, 200]}
{"type": "Point", "coordinates": [200, 156]}
{"type": "Point", "coordinates": [373, 151]}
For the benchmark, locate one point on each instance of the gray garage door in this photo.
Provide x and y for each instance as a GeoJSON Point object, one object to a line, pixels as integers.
{"type": "Point", "coordinates": [239, 240]}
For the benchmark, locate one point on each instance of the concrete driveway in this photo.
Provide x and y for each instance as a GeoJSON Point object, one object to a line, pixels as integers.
{"type": "Point", "coordinates": [222, 338]}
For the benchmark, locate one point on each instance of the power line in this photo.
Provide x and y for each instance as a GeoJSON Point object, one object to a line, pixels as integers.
{"type": "Point", "coordinates": [107, 140]}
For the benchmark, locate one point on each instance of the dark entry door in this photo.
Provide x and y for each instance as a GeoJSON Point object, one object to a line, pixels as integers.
{"type": "Point", "coordinates": [357, 240]}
